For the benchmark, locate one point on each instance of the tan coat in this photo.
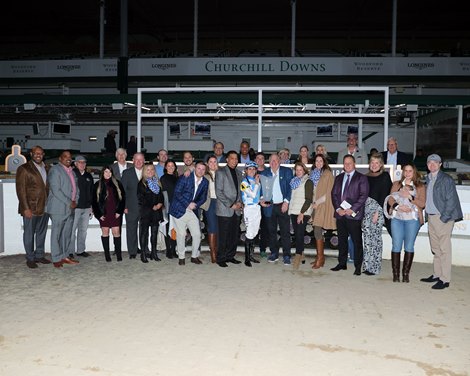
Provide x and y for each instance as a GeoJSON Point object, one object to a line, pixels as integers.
{"type": "Point", "coordinates": [419, 201]}
{"type": "Point", "coordinates": [324, 213]}
{"type": "Point", "coordinates": [30, 189]}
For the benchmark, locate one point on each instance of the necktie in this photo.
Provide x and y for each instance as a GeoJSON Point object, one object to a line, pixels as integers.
{"type": "Point", "coordinates": [345, 187]}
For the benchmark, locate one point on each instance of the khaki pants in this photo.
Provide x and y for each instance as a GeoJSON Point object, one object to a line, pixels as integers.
{"type": "Point", "coordinates": [441, 246]}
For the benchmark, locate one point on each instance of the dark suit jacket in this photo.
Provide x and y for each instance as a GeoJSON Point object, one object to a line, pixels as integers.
{"type": "Point", "coordinates": [285, 176]}
{"type": "Point", "coordinates": [356, 194]}
{"type": "Point", "coordinates": [129, 182]}
{"type": "Point", "coordinates": [184, 192]}
{"type": "Point", "coordinates": [115, 169]}
{"type": "Point", "coordinates": [402, 158]}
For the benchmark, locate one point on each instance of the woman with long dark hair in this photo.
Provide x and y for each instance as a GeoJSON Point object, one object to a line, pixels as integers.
{"type": "Point", "coordinates": [108, 205]}
{"type": "Point", "coordinates": [150, 200]}
{"type": "Point", "coordinates": [168, 182]}
{"type": "Point", "coordinates": [210, 205]}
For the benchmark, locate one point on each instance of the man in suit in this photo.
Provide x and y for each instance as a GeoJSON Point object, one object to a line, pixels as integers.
{"type": "Point", "coordinates": [276, 213]}
{"type": "Point", "coordinates": [218, 153]}
{"type": "Point", "coordinates": [349, 195]}
{"type": "Point", "coordinates": [31, 189]}
{"type": "Point", "coordinates": [190, 194]}
{"type": "Point", "coordinates": [228, 210]}
{"type": "Point", "coordinates": [120, 165]}
{"type": "Point", "coordinates": [394, 157]}
{"type": "Point", "coordinates": [352, 149]}
{"type": "Point", "coordinates": [130, 179]}
{"type": "Point", "coordinates": [61, 204]}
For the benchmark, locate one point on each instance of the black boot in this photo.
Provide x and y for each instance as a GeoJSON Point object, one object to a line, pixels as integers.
{"type": "Point", "coordinates": [396, 266]}
{"type": "Point", "coordinates": [247, 252]}
{"type": "Point", "coordinates": [144, 234]}
{"type": "Point", "coordinates": [117, 248]}
{"type": "Point", "coordinates": [252, 252]}
{"type": "Point", "coordinates": [105, 242]}
{"type": "Point", "coordinates": [153, 241]}
{"type": "Point", "coordinates": [407, 261]}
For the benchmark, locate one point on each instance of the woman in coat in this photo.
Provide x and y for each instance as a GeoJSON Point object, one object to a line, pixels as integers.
{"type": "Point", "coordinates": [168, 183]}
{"type": "Point", "coordinates": [210, 205]}
{"type": "Point", "coordinates": [108, 205]}
{"type": "Point", "coordinates": [323, 211]}
{"type": "Point", "coordinates": [150, 200]}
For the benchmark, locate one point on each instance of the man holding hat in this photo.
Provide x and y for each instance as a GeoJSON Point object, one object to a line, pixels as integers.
{"type": "Point", "coordinates": [443, 210]}
{"type": "Point", "coordinates": [83, 211]}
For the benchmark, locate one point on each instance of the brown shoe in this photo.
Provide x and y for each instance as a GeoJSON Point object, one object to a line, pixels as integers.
{"type": "Point", "coordinates": [181, 262]}
{"type": "Point", "coordinates": [296, 263]}
{"type": "Point", "coordinates": [31, 264]}
{"type": "Point", "coordinates": [58, 264]}
{"type": "Point", "coordinates": [195, 260]}
{"type": "Point", "coordinates": [69, 261]}
{"type": "Point", "coordinates": [43, 260]}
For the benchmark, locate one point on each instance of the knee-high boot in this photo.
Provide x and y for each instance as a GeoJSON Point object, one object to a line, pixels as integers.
{"type": "Point", "coordinates": [105, 242]}
{"type": "Point", "coordinates": [153, 241]}
{"type": "Point", "coordinates": [212, 240]}
{"type": "Point", "coordinates": [252, 252]}
{"type": "Point", "coordinates": [144, 234]}
{"type": "Point", "coordinates": [247, 252]}
{"type": "Point", "coordinates": [320, 261]}
{"type": "Point", "coordinates": [407, 261]}
{"type": "Point", "coordinates": [117, 248]}
{"type": "Point", "coordinates": [396, 266]}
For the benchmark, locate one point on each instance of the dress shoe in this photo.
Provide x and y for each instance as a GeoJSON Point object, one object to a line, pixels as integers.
{"type": "Point", "coordinates": [366, 272]}
{"type": "Point", "coordinates": [195, 260]}
{"type": "Point", "coordinates": [357, 271]}
{"type": "Point", "coordinates": [71, 257]}
{"type": "Point", "coordinates": [69, 261]}
{"type": "Point", "coordinates": [132, 256]}
{"type": "Point", "coordinates": [83, 254]}
{"type": "Point", "coordinates": [58, 264]}
{"type": "Point", "coordinates": [222, 264]}
{"type": "Point", "coordinates": [181, 262]}
{"type": "Point", "coordinates": [339, 267]}
{"type": "Point", "coordinates": [43, 260]}
{"type": "Point", "coordinates": [430, 279]}
{"type": "Point", "coordinates": [440, 285]}
{"type": "Point", "coordinates": [234, 261]}
{"type": "Point", "coordinates": [31, 264]}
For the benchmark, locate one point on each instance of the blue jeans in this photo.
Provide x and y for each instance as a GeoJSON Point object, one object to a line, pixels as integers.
{"type": "Point", "coordinates": [404, 233]}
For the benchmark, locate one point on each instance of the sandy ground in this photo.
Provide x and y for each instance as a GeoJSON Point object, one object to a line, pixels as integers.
{"type": "Point", "coordinates": [163, 319]}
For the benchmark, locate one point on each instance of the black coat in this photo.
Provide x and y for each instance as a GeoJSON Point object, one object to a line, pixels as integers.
{"type": "Point", "coordinates": [147, 200]}
{"type": "Point", "coordinates": [99, 203]}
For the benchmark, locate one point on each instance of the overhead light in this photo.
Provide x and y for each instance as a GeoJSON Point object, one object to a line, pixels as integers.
{"type": "Point", "coordinates": [412, 107]}
{"type": "Point", "coordinates": [310, 106]}
{"type": "Point", "coordinates": [212, 106]}
{"type": "Point", "coordinates": [29, 106]}
{"type": "Point", "coordinates": [117, 106]}
{"type": "Point", "coordinates": [134, 105]}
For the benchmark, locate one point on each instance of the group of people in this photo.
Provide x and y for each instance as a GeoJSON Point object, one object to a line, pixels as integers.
{"type": "Point", "coordinates": [159, 201]}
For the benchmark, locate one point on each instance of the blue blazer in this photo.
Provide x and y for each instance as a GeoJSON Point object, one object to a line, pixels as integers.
{"type": "Point", "coordinates": [285, 176]}
{"type": "Point", "coordinates": [184, 192]}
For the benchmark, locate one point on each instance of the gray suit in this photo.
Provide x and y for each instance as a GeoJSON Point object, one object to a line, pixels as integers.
{"type": "Point", "coordinates": [59, 210]}
{"type": "Point", "coordinates": [115, 169]}
{"type": "Point", "coordinates": [228, 219]}
{"type": "Point", "coordinates": [130, 181]}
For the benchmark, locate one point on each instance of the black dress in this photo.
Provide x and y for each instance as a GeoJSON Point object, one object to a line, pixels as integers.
{"type": "Point", "coordinates": [108, 204]}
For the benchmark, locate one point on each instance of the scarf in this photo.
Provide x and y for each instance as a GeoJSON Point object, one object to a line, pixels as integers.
{"type": "Point", "coordinates": [295, 182]}
{"type": "Point", "coordinates": [153, 185]}
{"type": "Point", "coordinates": [315, 176]}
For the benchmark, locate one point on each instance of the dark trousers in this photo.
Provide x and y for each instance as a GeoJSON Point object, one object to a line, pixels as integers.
{"type": "Point", "coordinates": [299, 232]}
{"type": "Point", "coordinates": [282, 220]}
{"type": "Point", "coordinates": [229, 229]}
{"type": "Point", "coordinates": [132, 224]}
{"type": "Point", "coordinates": [349, 227]}
{"type": "Point", "coordinates": [263, 233]}
{"type": "Point", "coordinates": [35, 228]}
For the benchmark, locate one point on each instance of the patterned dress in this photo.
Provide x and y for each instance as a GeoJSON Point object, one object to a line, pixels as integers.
{"type": "Point", "coordinates": [379, 188]}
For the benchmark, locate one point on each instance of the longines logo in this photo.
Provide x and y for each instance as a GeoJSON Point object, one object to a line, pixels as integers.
{"type": "Point", "coordinates": [69, 67]}
{"type": "Point", "coordinates": [163, 66]}
{"type": "Point", "coordinates": [421, 66]}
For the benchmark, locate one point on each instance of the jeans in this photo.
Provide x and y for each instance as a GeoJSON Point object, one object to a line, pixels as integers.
{"type": "Point", "coordinates": [404, 232]}
{"type": "Point", "coordinates": [79, 230]}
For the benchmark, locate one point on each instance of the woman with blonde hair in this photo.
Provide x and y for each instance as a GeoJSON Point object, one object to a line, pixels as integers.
{"type": "Point", "coordinates": [210, 205]}
{"type": "Point", "coordinates": [323, 211]}
{"type": "Point", "coordinates": [373, 221]}
{"type": "Point", "coordinates": [150, 198]}
{"type": "Point", "coordinates": [407, 200]}
{"type": "Point", "coordinates": [108, 206]}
